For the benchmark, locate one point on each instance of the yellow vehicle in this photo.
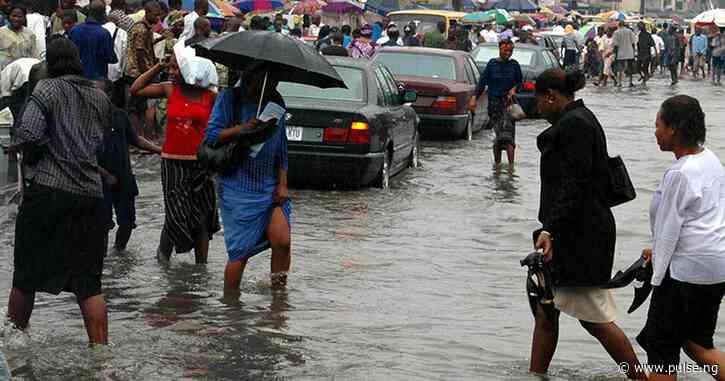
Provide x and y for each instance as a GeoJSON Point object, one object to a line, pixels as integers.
{"type": "Point", "coordinates": [426, 20]}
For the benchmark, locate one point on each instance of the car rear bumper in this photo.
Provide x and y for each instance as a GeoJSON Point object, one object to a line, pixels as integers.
{"type": "Point", "coordinates": [314, 168]}
{"type": "Point", "coordinates": [445, 125]}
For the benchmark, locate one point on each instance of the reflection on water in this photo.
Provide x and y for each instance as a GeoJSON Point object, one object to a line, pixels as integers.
{"type": "Point", "coordinates": [421, 282]}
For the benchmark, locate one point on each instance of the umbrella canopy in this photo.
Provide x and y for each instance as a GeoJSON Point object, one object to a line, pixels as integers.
{"type": "Point", "coordinates": [215, 11]}
{"type": "Point", "coordinates": [516, 5]}
{"type": "Point", "coordinates": [524, 19]}
{"type": "Point", "coordinates": [297, 61]}
{"type": "Point", "coordinates": [713, 16]}
{"type": "Point", "coordinates": [226, 9]}
{"type": "Point", "coordinates": [343, 6]}
{"type": "Point", "coordinates": [499, 16]}
{"type": "Point", "coordinates": [308, 7]}
{"type": "Point", "coordinates": [618, 16]}
{"type": "Point", "coordinates": [382, 7]}
{"type": "Point", "coordinates": [258, 5]}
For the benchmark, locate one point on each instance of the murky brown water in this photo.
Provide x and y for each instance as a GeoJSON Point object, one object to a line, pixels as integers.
{"type": "Point", "coordinates": [418, 283]}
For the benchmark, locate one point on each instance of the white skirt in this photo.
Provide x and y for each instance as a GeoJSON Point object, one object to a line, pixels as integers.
{"type": "Point", "coordinates": [590, 304]}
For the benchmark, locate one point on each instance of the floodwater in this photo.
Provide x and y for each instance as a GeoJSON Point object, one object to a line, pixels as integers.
{"type": "Point", "coordinates": [421, 282]}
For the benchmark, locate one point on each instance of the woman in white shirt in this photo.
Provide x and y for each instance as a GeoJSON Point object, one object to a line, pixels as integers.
{"type": "Point", "coordinates": [687, 218]}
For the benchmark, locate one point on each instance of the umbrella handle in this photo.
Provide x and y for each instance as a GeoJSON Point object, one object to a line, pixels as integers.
{"type": "Point", "coordinates": [261, 97]}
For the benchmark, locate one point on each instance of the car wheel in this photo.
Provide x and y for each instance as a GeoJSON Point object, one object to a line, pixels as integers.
{"type": "Point", "coordinates": [383, 179]}
{"type": "Point", "coordinates": [414, 161]}
{"type": "Point", "coordinates": [468, 133]}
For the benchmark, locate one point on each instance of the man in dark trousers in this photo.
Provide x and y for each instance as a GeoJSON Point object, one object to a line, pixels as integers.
{"type": "Point", "coordinates": [645, 43]}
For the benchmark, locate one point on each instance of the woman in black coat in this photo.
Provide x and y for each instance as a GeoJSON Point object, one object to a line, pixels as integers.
{"type": "Point", "coordinates": [578, 232]}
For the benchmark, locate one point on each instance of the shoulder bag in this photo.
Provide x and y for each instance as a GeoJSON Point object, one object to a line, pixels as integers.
{"type": "Point", "coordinates": [621, 189]}
{"type": "Point", "coordinates": [219, 157]}
{"type": "Point", "coordinates": [223, 158]}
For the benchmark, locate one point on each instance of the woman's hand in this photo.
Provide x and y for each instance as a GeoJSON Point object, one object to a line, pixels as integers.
{"type": "Point", "coordinates": [251, 124]}
{"type": "Point", "coordinates": [281, 194]}
{"type": "Point", "coordinates": [647, 255]}
{"type": "Point", "coordinates": [544, 242]}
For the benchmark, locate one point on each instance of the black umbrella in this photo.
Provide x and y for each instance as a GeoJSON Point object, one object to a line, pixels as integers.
{"type": "Point", "coordinates": [295, 61]}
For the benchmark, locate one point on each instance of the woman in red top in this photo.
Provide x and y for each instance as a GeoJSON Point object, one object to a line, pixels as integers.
{"type": "Point", "coordinates": [191, 216]}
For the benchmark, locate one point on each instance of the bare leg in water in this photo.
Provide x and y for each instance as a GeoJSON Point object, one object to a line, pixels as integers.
{"type": "Point", "coordinates": [279, 237]}
{"type": "Point", "coordinates": [546, 337]}
{"type": "Point", "coordinates": [123, 235]}
{"type": "Point", "coordinates": [201, 250]}
{"type": "Point", "coordinates": [20, 307]}
{"type": "Point", "coordinates": [510, 150]}
{"type": "Point", "coordinates": [95, 317]}
{"type": "Point", "coordinates": [165, 246]}
{"type": "Point", "coordinates": [278, 232]}
{"type": "Point", "coordinates": [615, 342]}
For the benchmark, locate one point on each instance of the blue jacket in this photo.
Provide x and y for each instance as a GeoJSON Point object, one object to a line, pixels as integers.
{"type": "Point", "coordinates": [95, 46]}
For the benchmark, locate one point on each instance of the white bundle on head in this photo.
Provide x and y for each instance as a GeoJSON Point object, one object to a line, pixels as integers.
{"type": "Point", "coordinates": [196, 71]}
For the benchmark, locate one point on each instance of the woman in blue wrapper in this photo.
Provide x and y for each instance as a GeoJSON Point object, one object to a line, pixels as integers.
{"type": "Point", "coordinates": [253, 199]}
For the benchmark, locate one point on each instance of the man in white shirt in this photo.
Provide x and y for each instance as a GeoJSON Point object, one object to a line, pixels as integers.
{"type": "Point", "coordinates": [488, 34]}
{"type": "Point", "coordinates": [658, 49]}
{"type": "Point", "coordinates": [557, 28]}
{"type": "Point", "coordinates": [687, 218]}
{"type": "Point", "coordinates": [115, 71]}
{"type": "Point", "coordinates": [37, 24]}
{"type": "Point", "coordinates": [201, 8]}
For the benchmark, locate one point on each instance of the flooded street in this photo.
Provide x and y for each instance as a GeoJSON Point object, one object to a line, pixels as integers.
{"type": "Point", "coordinates": [421, 282]}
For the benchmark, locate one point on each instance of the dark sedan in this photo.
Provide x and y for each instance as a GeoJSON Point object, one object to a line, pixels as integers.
{"type": "Point", "coordinates": [533, 60]}
{"type": "Point", "coordinates": [446, 81]}
{"type": "Point", "coordinates": [359, 136]}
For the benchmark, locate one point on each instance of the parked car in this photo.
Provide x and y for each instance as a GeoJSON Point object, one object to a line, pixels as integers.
{"type": "Point", "coordinates": [446, 81]}
{"type": "Point", "coordinates": [359, 136]}
{"type": "Point", "coordinates": [549, 43]}
{"type": "Point", "coordinates": [533, 60]}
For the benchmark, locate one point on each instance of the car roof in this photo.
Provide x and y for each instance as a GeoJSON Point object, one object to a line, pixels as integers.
{"type": "Point", "coordinates": [419, 50]}
{"type": "Point", "coordinates": [516, 46]}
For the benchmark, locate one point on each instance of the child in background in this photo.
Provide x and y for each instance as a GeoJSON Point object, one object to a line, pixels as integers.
{"type": "Point", "coordinates": [120, 188]}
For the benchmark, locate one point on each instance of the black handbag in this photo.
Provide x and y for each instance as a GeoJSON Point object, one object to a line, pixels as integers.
{"type": "Point", "coordinates": [223, 158]}
{"type": "Point", "coordinates": [621, 189]}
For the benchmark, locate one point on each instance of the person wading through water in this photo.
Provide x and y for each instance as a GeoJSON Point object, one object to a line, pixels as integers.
{"type": "Point", "coordinates": [579, 231]}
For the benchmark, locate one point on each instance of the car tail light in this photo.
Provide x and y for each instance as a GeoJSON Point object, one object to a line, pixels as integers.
{"type": "Point", "coordinates": [336, 135]}
{"type": "Point", "coordinates": [445, 103]}
{"type": "Point", "coordinates": [529, 86]}
{"type": "Point", "coordinates": [359, 133]}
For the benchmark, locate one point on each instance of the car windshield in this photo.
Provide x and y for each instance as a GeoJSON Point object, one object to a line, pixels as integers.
{"type": "Point", "coordinates": [424, 23]}
{"type": "Point", "coordinates": [525, 57]}
{"type": "Point", "coordinates": [353, 79]}
{"type": "Point", "coordinates": [419, 65]}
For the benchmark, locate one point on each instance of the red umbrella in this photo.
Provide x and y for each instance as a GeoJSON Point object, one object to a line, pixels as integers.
{"type": "Point", "coordinates": [307, 7]}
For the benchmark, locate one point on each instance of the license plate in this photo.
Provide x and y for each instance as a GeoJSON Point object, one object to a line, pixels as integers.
{"type": "Point", "coordinates": [294, 133]}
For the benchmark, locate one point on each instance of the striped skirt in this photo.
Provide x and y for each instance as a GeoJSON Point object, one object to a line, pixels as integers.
{"type": "Point", "coordinates": [189, 201]}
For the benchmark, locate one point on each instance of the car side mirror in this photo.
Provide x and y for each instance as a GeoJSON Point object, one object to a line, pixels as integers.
{"type": "Point", "coordinates": [410, 96]}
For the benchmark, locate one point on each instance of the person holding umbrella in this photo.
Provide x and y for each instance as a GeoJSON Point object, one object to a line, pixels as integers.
{"type": "Point", "coordinates": [253, 196]}
{"type": "Point", "coordinates": [253, 199]}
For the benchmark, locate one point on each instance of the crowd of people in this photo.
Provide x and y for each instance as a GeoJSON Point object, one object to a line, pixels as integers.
{"type": "Point", "coordinates": [103, 79]}
{"type": "Point", "coordinates": [616, 53]}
